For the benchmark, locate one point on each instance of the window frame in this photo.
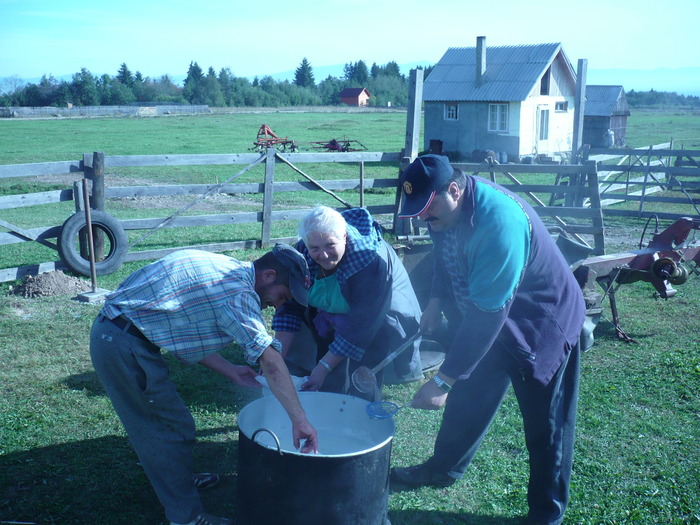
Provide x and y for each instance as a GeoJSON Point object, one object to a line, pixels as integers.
{"type": "Point", "coordinates": [544, 124]}
{"type": "Point", "coordinates": [502, 117]}
{"type": "Point", "coordinates": [451, 111]}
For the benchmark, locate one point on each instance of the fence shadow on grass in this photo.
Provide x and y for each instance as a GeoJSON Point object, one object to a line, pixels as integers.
{"type": "Point", "coordinates": [100, 481]}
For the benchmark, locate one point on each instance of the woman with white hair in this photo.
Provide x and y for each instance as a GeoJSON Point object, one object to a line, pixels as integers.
{"type": "Point", "coordinates": [361, 304]}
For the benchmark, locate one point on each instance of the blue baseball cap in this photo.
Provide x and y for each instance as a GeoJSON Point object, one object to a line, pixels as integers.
{"type": "Point", "coordinates": [421, 181]}
{"type": "Point", "coordinates": [299, 277]}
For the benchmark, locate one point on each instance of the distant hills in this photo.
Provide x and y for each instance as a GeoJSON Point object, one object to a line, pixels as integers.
{"type": "Point", "coordinates": [683, 81]}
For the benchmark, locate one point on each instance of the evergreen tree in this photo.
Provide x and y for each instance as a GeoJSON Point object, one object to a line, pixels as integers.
{"type": "Point", "coordinates": [357, 73]}
{"type": "Point", "coordinates": [304, 75]}
{"type": "Point", "coordinates": [192, 88]}
{"type": "Point", "coordinates": [212, 94]}
{"type": "Point", "coordinates": [124, 75]}
{"type": "Point", "coordinates": [83, 89]}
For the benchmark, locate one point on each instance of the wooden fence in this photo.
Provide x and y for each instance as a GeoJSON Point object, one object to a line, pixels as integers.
{"type": "Point", "coordinates": [639, 173]}
{"type": "Point", "coordinates": [571, 218]}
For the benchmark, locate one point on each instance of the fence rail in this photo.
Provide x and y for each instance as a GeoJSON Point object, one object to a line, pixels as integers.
{"type": "Point", "coordinates": [570, 204]}
{"type": "Point", "coordinates": [640, 173]}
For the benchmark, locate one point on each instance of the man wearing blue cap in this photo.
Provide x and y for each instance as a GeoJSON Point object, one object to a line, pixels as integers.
{"type": "Point", "coordinates": [192, 303]}
{"type": "Point", "coordinates": [516, 313]}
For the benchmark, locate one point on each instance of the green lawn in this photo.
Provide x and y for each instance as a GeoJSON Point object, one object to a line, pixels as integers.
{"type": "Point", "coordinates": [65, 460]}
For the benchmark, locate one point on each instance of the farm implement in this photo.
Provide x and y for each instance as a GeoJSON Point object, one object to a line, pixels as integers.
{"type": "Point", "coordinates": [268, 139]}
{"type": "Point", "coordinates": [663, 263]}
{"type": "Point", "coordinates": [345, 144]}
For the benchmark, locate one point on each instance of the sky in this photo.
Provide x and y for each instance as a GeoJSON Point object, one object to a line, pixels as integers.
{"type": "Point", "coordinates": [258, 38]}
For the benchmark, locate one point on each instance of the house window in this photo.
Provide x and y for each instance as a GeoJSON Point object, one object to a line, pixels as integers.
{"type": "Point", "coordinates": [544, 84]}
{"type": "Point", "coordinates": [451, 111]}
{"type": "Point", "coordinates": [561, 107]}
{"type": "Point", "coordinates": [498, 117]}
{"type": "Point", "coordinates": [544, 124]}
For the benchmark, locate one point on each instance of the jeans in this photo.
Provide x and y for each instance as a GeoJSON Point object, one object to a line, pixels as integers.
{"type": "Point", "coordinates": [159, 425]}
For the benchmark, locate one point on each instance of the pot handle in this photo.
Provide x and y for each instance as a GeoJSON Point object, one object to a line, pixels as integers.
{"type": "Point", "coordinates": [277, 441]}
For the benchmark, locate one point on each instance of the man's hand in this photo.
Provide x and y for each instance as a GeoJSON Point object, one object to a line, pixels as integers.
{"type": "Point", "coordinates": [316, 379]}
{"type": "Point", "coordinates": [304, 430]}
{"type": "Point", "coordinates": [429, 397]}
{"type": "Point", "coordinates": [244, 376]}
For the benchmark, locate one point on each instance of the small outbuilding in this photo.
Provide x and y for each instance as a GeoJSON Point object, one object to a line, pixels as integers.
{"type": "Point", "coordinates": [517, 101]}
{"type": "Point", "coordinates": [605, 116]}
{"type": "Point", "coordinates": [355, 96]}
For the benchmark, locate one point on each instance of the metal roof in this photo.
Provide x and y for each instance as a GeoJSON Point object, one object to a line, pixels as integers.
{"type": "Point", "coordinates": [605, 101]}
{"type": "Point", "coordinates": [511, 73]}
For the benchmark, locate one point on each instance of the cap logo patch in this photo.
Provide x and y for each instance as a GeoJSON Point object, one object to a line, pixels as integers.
{"type": "Point", "coordinates": [408, 187]}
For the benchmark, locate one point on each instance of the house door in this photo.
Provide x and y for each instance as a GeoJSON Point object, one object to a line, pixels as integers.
{"type": "Point", "coordinates": [542, 131]}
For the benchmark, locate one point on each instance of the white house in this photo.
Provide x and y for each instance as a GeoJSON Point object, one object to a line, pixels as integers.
{"type": "Point", "coordinates": [517, 101]}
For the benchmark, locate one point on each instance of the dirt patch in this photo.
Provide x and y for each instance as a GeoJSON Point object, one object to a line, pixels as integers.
{"type": "Point", "coordinates": [50, 284]}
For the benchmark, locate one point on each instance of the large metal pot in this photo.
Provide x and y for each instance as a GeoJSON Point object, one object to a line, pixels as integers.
{"type": "Point", "coordinates": [347, 482]}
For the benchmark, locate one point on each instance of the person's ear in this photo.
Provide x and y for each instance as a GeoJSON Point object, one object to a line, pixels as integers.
{"type": "Point", "coordinates": [269, 276]}
{"type": "Point", "coordinates": [454, 191]}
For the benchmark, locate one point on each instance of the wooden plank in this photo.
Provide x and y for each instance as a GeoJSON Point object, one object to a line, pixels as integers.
{"type": "Point", "coordinates": [661, 150]}
{"type": "Point", "coordinates": [35, 199]}
{"type": "Point", "coordinates": [40, 168]}
{"type": "Point", "coordinates": [560, 169]}
{"type": "Point", "coordinates": [637, 197]}
{"type": "Point", "coordinates": [26, 234]}
{"type": "Point", "coordinates": [124, 161]}
{"type": "Point", "coordinates": [335, 157]}
{"type": "Point", "coordinates": [231, 218]}
{"type": "Point", "coordinates": [657, 168]}
{"type": "Point", "coordinates": [201, 189]}
{"type": "Point", "coordinates": [612, 212]}
{"type": "Point", "coordinates": [39, 233]}
{"type": "Point", "coordinates": [137, 161]}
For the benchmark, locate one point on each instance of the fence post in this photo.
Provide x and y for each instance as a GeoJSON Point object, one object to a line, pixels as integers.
{"type": "Point", "coordinates": [413, 122]}
{"type": "Point", "coordinates": [362, 184]}
{"type": "Point", "coordinates": [594, 197]}
{"type": "Point", "coordinates": [97, 201]}
{"type": "Point", "coordinates": [267, 197]}
{"type": "Point", "coordinates": [644, 184]}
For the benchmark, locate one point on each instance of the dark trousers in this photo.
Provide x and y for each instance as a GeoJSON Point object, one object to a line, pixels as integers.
{"type": "Point", "coordinates": [549, 418]}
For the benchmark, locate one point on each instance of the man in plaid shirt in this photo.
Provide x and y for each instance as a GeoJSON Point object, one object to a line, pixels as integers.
{"type": "Point", "coordinates": [192, 303]}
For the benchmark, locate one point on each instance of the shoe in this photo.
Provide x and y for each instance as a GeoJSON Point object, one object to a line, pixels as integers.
{"type": "Point", "coordinates": [420, 475]}
{"type": "Point", "coordinates": [205, 480]}
{"type": "Point", "coordinates": [206, 519]}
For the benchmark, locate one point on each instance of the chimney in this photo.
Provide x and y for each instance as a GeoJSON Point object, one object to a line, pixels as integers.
{"type": "Point", "coordinates": [480, 59]}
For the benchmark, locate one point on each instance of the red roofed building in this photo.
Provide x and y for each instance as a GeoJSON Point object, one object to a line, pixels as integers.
{"type": "Point", "coordinates": [355, 96]}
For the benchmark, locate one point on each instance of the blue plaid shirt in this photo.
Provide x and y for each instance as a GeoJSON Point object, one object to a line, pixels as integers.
{"type": "Point", "coordinates": [193, 303]}
{"type": "Point", "coordinates": [364, 240]}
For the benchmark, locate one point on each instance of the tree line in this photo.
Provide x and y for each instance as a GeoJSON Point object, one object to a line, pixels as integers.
{"type": "Point", "coordinates": [223, 89]}
{"type": "Point", "coordinates": [650, 99]}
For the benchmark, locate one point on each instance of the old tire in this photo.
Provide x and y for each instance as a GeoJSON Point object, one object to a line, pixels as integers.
{"type": "Point", "coordinates": [68, 246]}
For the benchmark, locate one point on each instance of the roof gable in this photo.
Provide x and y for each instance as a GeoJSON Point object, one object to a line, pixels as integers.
{"type": "Point", "coordinates": [605, 101]}
{"type": "Point", "coordinates": [353, 92]}
{"type": "Point", "coordinates": [511, 73]}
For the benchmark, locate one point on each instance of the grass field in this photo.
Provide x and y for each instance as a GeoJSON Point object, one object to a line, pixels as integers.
{"type": "Point", "coordinates": [65, 460]}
